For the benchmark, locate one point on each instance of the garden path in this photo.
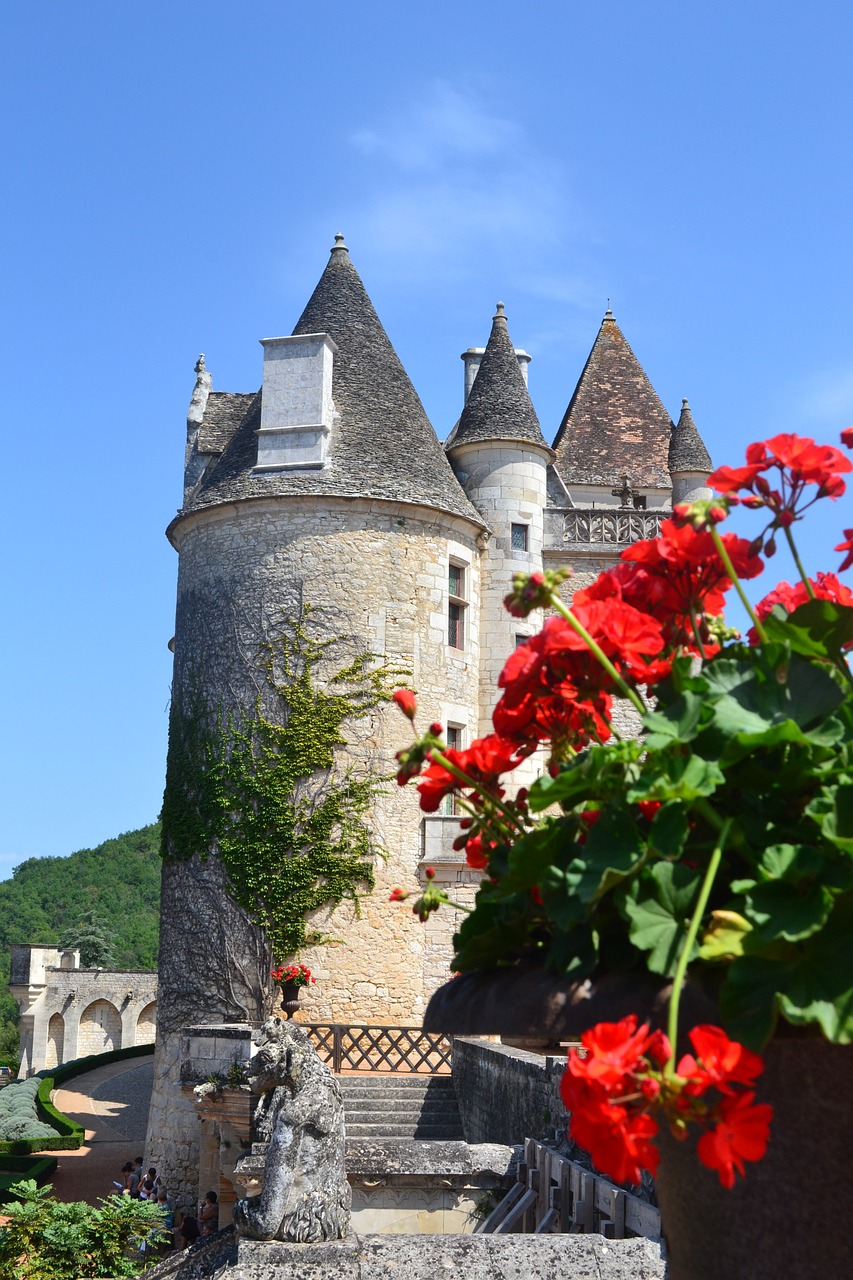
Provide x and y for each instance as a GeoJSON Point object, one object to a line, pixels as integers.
{"type": "Point", "coordinates": [111, 1103]}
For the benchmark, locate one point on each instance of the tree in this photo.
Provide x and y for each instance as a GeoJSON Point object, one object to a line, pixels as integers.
{"type": "Point", "coordinates": [91, 940]}
{"type": "Point", "coordinates": [49, 1239]}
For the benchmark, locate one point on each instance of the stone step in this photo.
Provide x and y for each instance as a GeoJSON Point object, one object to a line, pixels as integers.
{"type": "Point", "coordinates": [401, 1112]}
{"type": "Point", "coordinates": [395, 1087]}
{"type": "Point", "coordinates": [422, 1131]}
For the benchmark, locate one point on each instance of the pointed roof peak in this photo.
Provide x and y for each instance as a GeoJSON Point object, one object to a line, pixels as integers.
{"type": "Point", "coordinates": [499, 405]}
{"type": "Point", "coordinates": [615, 422]}
{"type": "Point", "coordinates": [339, 246]}
{"type": "Point", "coordinates": [687, 451]}
{"type": "Point", "coordinates": [381, 445]}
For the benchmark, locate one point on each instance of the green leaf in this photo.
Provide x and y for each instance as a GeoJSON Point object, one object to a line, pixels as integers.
{"type": "Point", "coordinates": [530, 857]}
{"type": "Point", "coordinates": [809, 982]}
{"type": "Point", "coordinates": [613, 849]}
{"type": "Point", "coordinates": [817, 629]}
{"type": "Point", "coordinates": [659, 909]}
{"type": "Point", "coordinates": [832, 810]}
{"type": "Point", "coordinates": [670, 829]}
{"type": "Point", "coordinates": [673, 776]}
{"type": "Point", "coordinates": [782, 910]}
{"type": "Point", "coordinates": [677, 722]}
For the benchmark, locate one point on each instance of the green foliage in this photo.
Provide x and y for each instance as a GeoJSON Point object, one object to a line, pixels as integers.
{"type": "Point", "coordinates": [48, 1239]}
{"type": "Point", "coordinates": [90, 938]}
{"type": "Point", "coordinates": [45, 897]}
{"type": "Point", "coordinates": [760, 736]}
{"type": "Point", "coordinates": [265, 792]}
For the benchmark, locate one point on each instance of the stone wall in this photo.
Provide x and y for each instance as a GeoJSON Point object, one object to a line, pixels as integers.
{"type": "Point", "coordinates": [506, 1095]}
{"type": "Point", "coordinates": [68, 1012]}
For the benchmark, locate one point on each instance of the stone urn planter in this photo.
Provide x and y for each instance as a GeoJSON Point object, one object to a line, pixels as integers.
{"type": "Point", "coordinates": [288, 999]}
{"type": "Point", "coordinates": [787, 1219]}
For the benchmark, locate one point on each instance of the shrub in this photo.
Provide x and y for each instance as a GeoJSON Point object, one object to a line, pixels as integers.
{"type": "Point", "coordinates": [48, 1239]}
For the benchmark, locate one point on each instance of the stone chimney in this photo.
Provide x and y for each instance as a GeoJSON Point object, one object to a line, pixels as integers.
{"type": "Point", "coordinates": [296, 403]}
{"type": "Point", "coordinates": [472, 358]}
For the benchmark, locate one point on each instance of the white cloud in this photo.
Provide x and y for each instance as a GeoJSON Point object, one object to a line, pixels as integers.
{"type": "Point", "coordinates": [456, 189]}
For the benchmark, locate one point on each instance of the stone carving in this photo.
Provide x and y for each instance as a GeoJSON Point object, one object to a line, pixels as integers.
{"type": "Point", "coordinates": [305, 1196]}
{"type": "Point", "coordinates": [611, 526]}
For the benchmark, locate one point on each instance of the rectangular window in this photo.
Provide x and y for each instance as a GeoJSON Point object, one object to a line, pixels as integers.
{"type": "Point", "coordinates": [520, 640]}
{"type": "Point", "coordinates": [456, 606]}
{"type": "Point", "coordinates": [453, 738]}
{"type": "Point", "coordinates": [519, 537]}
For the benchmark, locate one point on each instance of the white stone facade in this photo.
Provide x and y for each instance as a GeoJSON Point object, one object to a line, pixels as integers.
{"type": "Point", "coordinates": [68, 1012]}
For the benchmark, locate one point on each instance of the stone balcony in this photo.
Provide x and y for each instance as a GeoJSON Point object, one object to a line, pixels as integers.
{"type": "Point", "coordinates": [438, 831]}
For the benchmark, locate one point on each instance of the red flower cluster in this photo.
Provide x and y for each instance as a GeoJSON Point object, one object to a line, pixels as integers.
{"type": "Point", "coordinates": [824, 585]}
{"type": "Point", "coordinates": [625, 1073]}
{"type": "Point", "coordinates": [797, 463]}
{"type": "Point", "coordinates": [298, 974]}
{"type": "Point", "coordinates": [639, 614]}
{"type": "Point", "coordinates": [483, 763]}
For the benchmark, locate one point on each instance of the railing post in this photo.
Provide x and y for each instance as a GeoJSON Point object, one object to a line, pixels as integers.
{"type": "Point", "coordinates": [337, 1047]}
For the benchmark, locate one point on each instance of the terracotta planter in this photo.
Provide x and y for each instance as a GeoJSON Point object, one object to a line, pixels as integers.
{"type": "Point", "coordinates": [289, 999]}
{"type": "Point", "coordinates": [787, 1220]}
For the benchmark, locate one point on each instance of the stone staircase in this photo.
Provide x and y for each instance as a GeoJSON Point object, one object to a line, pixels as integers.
{"type": "Point", "coordinates": [386, 1108]}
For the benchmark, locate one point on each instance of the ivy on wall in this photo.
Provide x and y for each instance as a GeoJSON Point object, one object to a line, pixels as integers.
{"type": "Point", "coordinates": [264, 791]}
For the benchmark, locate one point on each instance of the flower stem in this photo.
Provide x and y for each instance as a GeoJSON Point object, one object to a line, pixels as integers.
{"type": "Point", "coordinates": [798, 562]}
{"type": "Point", "coordinates": [730, 570]}
{"type": "Point", "coordinates": [692, 931]}
{"type": "Point", "coordinates": [598, 654]}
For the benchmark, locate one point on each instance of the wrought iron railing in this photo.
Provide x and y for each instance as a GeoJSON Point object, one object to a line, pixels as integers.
{"type": "Point", "coordinates": [364, 1048]}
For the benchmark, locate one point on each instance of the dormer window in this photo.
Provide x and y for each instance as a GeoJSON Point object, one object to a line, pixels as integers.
{"type": "Point", "coordinates": [296, 403]}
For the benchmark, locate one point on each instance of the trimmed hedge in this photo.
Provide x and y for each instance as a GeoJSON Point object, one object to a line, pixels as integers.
{"type": "Point", "coordinates": [15, 1168]}
{"type": "Point", "coordinates": [69, 1134]}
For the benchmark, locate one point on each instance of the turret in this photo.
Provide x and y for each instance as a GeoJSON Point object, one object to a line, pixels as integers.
{"type": "Point", "coordinates": [501, 459]}
{"type": "Point", "coordinates": [689, 461]}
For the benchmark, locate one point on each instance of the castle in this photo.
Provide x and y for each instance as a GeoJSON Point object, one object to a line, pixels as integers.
{"type": "Point", "coordinates": [329, 487]}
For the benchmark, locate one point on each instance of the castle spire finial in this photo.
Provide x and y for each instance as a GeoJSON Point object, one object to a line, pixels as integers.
{"type": "Point", "coordinates": [339, 246]}
{"type": "Point", "coordinates": [198, 367]}
{"type": "Point", "coordinates": [499, 312]}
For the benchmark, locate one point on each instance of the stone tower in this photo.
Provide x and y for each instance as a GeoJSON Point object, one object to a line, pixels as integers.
{"type": "Point", "coordinates": [328, 488]}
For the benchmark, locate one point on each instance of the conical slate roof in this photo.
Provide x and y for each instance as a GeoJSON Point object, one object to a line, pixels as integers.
{"type": "Point", "coordinates": [687, 450]}
{"type": "Point", "coordinates": [615, 424]}
{"type": "Point", "coordinates": [382, 446]}
{"type": "Point", "coordinates": [499, 405]}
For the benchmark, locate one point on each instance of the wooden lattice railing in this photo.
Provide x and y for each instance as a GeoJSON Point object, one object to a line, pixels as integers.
{"type": "Point", "coordinates": [364, 1048]}
{"type": "Point", "coordinates": [555, 1194]}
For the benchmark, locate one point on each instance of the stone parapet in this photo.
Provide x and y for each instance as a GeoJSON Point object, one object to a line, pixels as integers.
{"type": "Point", "coordinates": [480, 1257]}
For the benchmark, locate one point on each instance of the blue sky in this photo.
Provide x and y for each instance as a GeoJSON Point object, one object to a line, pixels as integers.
{"type": "Point", "coordinates": [175, 174]}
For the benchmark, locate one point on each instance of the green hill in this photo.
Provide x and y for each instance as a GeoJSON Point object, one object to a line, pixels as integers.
{"type": "Point", "coordinates": [120, 880]}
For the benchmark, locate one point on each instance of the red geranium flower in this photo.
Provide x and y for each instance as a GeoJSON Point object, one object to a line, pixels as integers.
{"type": "Point", "coordinates": [613, 1051]}
{"type": "Point", "coordinates": [848, 547]}
{"type": "Point", "coordinates": [722, 1062]}
{"type": "Point", "coordinates": [826, 586]}
{"type": "Point", "coordinates": [618, 1140]}
{"type": "Point", "coordinates": [742, 1134]}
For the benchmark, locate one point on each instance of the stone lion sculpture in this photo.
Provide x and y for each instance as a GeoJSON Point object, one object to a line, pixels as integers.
{"type": "Point", "coordinates": [305, 1196]}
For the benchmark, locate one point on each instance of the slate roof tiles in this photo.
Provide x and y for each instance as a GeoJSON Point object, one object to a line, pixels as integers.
{"type": "Point", "coordinates": [382, 445]}
{"type": "Point", "coordinates": [615, 424]}
{"type": "Point", "coordinates": [499, 405]}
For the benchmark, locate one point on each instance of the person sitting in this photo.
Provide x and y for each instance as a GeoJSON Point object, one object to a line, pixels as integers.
{"type": "Point", "coordinates": [188, 1231]}
{"type": "Point", "coordinates": [209, 1214]}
